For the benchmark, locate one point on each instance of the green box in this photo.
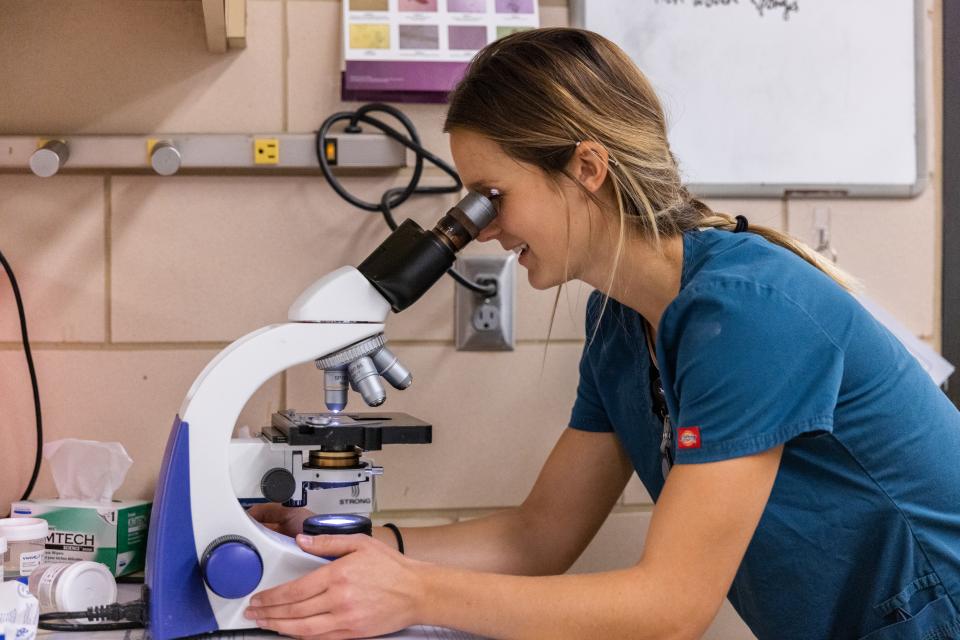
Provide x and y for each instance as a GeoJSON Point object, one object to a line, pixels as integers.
{"type": "Point", "coordinates": [111, 533]}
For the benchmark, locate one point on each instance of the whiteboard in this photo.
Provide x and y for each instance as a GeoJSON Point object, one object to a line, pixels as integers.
{"type": "Point", "coordinates": [772, 97]}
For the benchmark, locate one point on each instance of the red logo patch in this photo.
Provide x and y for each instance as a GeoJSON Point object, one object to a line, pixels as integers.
{"type": "Point", "coordinates": [688, 438]}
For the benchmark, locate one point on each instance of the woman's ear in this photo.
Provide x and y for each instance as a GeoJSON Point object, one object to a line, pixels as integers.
{"type": "Point", "coordinates": [589, 165]}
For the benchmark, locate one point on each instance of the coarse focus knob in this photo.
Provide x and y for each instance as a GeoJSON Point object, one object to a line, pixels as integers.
{"type": "Point", "coordinates": [165, 158]}
{"type": "Point", "coordinates": [231, 567]}
{"type": "Point", "coordinates": [48, 159]}
{"type": "Point", "coordinates": [278, 485]}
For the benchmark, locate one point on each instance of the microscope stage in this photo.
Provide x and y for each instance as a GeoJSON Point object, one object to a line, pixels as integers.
{"type": "Point", "coordinates": [344, 431]}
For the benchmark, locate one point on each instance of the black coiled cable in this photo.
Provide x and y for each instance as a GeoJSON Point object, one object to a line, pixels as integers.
{"type": "Point", "coordinates": [127, 615]}
{"type": "Point", "coordinates": [33, 375]}
{"type": "Point", "coordinates": [398, 195]}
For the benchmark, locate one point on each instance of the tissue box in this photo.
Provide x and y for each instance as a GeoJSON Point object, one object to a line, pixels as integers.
{"type": "Point", "coordinates": [112, 533]}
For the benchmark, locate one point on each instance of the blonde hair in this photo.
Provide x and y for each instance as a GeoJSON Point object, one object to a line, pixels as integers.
{"type": "Point", "coordinates": [538, 93]}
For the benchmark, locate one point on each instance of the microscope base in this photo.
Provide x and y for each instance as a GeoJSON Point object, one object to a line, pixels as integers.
{"type": "Point", "coordinates": [174, 588]}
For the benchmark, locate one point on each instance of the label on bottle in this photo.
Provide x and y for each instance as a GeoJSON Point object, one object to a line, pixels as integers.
{"type": "Point", "coordinates": [30, 561]}
{"type": "Point", "coordinates": [46, 585]}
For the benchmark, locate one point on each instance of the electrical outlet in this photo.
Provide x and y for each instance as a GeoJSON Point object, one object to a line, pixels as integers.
{"type": "Point", "coordinates": [486, 317]}
{"type": "Point", "coordinates": [486, 323]}
{"type": "Point", "coordinates": [266, 151]}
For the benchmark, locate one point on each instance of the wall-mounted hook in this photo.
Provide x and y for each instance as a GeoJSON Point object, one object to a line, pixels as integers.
{"type": "Point", "coordinates": [48, 159]}
{"type": "Point", "coordinates": [164, 157]}
{"type": "Point", "coordinates": [821, 233]}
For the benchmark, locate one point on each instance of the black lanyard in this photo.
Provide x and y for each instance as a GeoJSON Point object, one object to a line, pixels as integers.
{"type": "Point", "coordinates": [659, 404]}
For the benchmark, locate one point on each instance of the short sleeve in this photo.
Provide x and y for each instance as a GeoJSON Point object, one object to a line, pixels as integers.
{"type": "Point", "coordinates": [745, 369]}
{"type": "Point", "coordinates": [588, 413]}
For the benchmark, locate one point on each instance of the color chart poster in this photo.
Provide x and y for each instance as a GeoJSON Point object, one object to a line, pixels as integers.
{"type": "Point", "coordinates": [417, 50]}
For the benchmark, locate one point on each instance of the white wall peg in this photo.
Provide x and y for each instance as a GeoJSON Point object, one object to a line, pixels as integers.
{"type": "Point", "coordinates": [821, 233]}
{"type": "Point", "coordinates": [47, 160]}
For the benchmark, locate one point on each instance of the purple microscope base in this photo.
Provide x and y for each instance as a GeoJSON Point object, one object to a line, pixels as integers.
{"type": "Point", "coordinates": [177, 599]}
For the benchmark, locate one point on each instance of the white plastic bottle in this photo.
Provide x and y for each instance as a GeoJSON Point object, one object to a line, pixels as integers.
{"type": "Point", "coordinates": [72, 586]}
{"type": "Point", "coordinates": [26, 545]}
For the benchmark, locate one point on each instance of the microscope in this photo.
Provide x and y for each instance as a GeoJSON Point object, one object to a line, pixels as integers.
{"type": "Point", "coordinates": [205, 555]}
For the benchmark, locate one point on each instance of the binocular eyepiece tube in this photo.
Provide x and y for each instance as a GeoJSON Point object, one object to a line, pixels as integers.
{"type": "Point", "coordinates": [401, 269]}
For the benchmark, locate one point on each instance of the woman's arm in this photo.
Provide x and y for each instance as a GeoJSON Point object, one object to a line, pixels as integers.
{"type": "Point", "coordinates": [700, 530]}
{"type": "Point", "coordinates": [704, 520]}
{"type": "Point", "coordinates": [577, 487]}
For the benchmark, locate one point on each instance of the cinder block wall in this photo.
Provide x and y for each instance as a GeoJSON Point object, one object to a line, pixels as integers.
{"type": "Point", "coordinates": [132, 283]}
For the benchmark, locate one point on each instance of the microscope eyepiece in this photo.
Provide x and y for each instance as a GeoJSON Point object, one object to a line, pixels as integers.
{"type": "Point", "coordinates": [411, 260]}
{"type": "Point", "coordinates": [465, 220]}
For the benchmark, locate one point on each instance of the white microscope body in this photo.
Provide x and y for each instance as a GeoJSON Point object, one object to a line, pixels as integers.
{"type": "Point", "coordinates": [206, 556]}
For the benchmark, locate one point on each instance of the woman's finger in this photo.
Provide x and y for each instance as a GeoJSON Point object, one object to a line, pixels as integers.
{"type": "Point", "coordinates": [318, 604]}
{"type": "Point", "coordinates": [333, 635]}
{"type": "Point", "coordinates": [270, 512]}
{"type": "Point", "coordinates": [333, 546]}
{"type": "Point", "coordinates": [298, 590]}
{"type": "Point", "coordinates": [318, 625]}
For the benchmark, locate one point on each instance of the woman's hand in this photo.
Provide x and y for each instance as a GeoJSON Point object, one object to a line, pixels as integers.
{"type": "Point", "coordinates": [285, 520]}
{"type": "Point", "coordinates": [369, 590]}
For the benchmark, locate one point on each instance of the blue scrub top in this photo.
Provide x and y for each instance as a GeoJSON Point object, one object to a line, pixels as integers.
{"type": "Point", "coordinates": [861, 534]}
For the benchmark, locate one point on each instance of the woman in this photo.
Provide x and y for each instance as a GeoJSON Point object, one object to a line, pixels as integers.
{"type": "Point", "coordinates": [801, 461]}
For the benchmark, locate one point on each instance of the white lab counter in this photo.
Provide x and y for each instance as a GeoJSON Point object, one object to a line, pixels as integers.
{"type": "Point", "coordinates": [132, 592]}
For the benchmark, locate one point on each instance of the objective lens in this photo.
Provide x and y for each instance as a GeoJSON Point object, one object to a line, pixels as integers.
{"type": "Point", "coordinates": [390, 368]}
{"type": "Point", "coordinates": [335, 388]}
{"type": "Point", "coordinates": [364, 376]}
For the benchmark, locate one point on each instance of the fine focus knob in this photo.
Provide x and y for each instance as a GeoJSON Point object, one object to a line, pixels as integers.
{"type": "Point", "coordinates": [278, 485]}
{"type": "Point", "coordinates": [231, 567]}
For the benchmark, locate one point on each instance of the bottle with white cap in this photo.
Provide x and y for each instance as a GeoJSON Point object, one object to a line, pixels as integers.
{"type": "Point", "coordinates": [26, 545]}
{"type": "Point", "coordinates": [72, 586]}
